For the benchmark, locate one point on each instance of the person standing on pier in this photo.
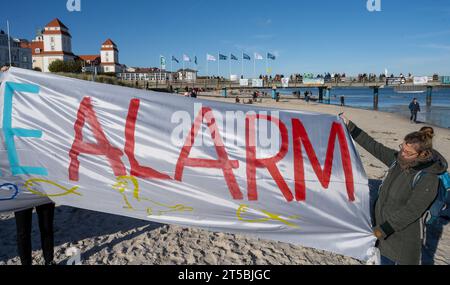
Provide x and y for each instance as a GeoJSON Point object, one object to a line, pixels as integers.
{"type": "Point", "coordinates": [414, 107]}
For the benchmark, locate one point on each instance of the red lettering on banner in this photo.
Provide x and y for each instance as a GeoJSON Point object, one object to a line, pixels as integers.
{"type": "Point", "coordinates": [270, 163]}
{"type": "Point", "coordinates": [130, 143]}
{"type": "Point", "coordinates": [223, 161]}
{"type": "Point", "coordinates": [324, 175]}
{"type": "Point", "coordinates": [86, 113]}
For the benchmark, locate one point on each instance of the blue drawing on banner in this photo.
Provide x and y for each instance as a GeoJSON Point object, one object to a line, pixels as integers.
{"type": "Point", "coordinates": [8, 192]}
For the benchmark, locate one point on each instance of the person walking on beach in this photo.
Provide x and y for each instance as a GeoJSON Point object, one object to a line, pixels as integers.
{"type": "Point", "coordinates": [24, 221]}
{"type": "Point", "coordinates": [342, 101]}
{"type": "Point", "coordinates": [402, 204]}
{"type": "Point", "coordinates": [414, 107]}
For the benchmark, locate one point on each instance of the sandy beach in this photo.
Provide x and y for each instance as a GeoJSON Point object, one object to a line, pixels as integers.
{"type": "Point", "coordinates": [106, 239]}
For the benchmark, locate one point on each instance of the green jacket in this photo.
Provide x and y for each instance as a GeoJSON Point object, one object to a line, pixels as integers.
{"type": "Point", "coordinates": [400, 208]}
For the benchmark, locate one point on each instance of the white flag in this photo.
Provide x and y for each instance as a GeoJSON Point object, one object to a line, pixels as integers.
{"type": "Point", "coordinates": [186, 58]}
{"type": "Point", "coordinates": [258, 56]}
{"type": "Point", "coordinates": [210, 57]}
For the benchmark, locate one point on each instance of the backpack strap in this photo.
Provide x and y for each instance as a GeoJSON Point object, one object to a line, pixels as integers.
{"type": "Point", "coordinates": [417, 178]}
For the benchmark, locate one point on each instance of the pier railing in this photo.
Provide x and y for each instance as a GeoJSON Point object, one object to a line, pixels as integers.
{"type": "Point", "coordinates": [221, 83]}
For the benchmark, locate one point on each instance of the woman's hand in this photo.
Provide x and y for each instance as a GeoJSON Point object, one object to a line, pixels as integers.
{"type": "Point", "coordinates": [378, 234]}
{"type": "Point", "coordinates": [344, 118]}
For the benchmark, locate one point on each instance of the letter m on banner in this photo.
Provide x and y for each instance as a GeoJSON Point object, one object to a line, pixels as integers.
{"type": "Point", "coordinates": [323, 174]}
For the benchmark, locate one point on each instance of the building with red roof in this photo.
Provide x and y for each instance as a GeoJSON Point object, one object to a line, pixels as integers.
{"type": "Point", "coordinates": [54, 42]}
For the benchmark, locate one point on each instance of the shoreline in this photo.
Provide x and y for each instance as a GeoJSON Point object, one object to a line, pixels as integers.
{"type": "Point", "coordinates": [384, 109]}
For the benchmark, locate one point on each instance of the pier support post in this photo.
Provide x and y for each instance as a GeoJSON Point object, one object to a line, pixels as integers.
{"type": "Point", "coordinates": [376, 92]}
{"type": "Point", "coordinates": [429, 95]}
{"type": "Point", "coordinates": [328, 95]}
{"type": "Point", "coordinates": [321, 94]}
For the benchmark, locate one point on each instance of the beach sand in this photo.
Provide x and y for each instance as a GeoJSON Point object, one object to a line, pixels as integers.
{"type": "Point", "coordinates": [106, 239]}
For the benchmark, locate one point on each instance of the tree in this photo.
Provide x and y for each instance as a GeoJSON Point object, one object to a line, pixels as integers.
{"type": "Point", "coordinates": [65, 66]}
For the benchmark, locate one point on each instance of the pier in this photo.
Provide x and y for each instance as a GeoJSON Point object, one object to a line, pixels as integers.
{"type": "Point", "coordinates": [324, 88]}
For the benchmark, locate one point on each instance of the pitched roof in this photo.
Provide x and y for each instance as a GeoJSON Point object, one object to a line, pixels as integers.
{"type": "Point", "coordinates": [89, 57]}
{"type": "Point", "coordinates": [109, 42]}
{"type": "Point", "coordinates": [37, 45]}
{"type": "Point", "coordinates": [55, 23]}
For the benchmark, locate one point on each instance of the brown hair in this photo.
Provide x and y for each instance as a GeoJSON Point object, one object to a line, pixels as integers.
{"type": "Point", "coordinates": [423, 139]}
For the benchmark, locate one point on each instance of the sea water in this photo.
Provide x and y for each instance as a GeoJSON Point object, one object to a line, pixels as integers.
{"type": "Point", "coordinates": [391, 101]}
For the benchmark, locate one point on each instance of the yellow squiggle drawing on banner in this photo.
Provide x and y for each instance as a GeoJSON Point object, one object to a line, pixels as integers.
{"type": "Point", "coordinates": [269, 216]}
{"type": "Point", "coordinates": [29, 184]}
{"type": "Point", "coordinates": [123, 184]}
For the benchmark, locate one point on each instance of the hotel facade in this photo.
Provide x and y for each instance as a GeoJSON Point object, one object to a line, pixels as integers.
{"type": "Point", "coordinates": [54, 42]}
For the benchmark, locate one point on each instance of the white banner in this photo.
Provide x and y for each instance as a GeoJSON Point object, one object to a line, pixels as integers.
{"type": "Point", "coordinates": [422, 80]}
{"type": "Point", "coordinates": [257, 83]}
{"type": "Point", "coordinates": [285, 82]}
{"type": "Point", "coordinates": [313, 82]}
{"type": "Point", "coordinates": [289, 176]}
{"type": "Point", "coordinates": [243, 82]}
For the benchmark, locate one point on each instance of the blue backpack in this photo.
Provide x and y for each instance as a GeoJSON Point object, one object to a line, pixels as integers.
{"type": "Point", "coordinates": [441, 202]}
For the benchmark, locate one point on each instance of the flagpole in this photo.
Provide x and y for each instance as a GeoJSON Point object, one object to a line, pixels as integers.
{"type": "Point", "coordinates": [9, 44]}
{"type": "Point", "coordinates": [229, 64]}
{"type": "Point", "coordinates": [254, 66]}
{"type": "Point", "coordinates": [218, 64]}
{"type": "Point", "coordinates": [267, 66]}
{"type": "Point", "coordinates": [242, 65]}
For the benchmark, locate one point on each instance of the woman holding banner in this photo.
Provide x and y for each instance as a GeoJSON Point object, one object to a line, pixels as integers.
{"type": "Point", "coordinates": [401, 203]}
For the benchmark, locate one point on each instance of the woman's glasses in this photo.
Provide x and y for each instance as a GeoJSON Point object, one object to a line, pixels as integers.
{"type": "Point", "coordinates": [408, 153]}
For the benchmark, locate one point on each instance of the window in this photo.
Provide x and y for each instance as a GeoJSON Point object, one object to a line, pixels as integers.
{"type": "Point", "coordinates": [37, 50]}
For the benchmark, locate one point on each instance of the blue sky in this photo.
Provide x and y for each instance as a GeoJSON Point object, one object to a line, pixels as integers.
{"type": "Point", "coordinates": [307, 36]}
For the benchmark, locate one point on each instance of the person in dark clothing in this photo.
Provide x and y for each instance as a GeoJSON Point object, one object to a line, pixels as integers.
{"type": "Point", "coordinates": [342, 101]}
{"type": "Point", "coordinates": [400, 208]}
{"type": "Point", "coordinates": [24, 221]}
{"type": "Point", "coordinates": [414, 107]}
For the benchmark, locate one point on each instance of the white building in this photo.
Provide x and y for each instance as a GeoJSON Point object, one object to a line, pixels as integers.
{"type": "Point", "coordinates": [55, 43]}
{"type": "Point", "coordinates": [109, 55]}
{"type": "Point", "coordinates": [187, 75]}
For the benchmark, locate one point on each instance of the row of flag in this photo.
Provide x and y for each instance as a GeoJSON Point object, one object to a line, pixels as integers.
{"type": "Point", "coordinates": [210, 57]}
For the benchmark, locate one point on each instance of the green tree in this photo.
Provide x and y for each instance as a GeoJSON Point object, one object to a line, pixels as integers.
{"type": "Point", "coordinates": [65, 66]}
